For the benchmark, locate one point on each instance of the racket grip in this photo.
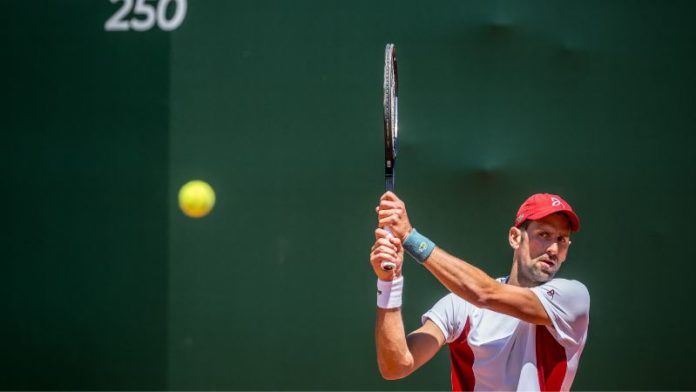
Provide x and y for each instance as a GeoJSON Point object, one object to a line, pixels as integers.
{"type": "Point", "coordinates": [389, 183]}
{"type": "Point", "coordinates": [388, 265]}
{"type": "Point", "coordinates": [389, 186]}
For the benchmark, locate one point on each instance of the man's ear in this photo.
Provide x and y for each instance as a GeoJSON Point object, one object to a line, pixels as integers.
{"type": "Point", "coordinates": [515, 237]}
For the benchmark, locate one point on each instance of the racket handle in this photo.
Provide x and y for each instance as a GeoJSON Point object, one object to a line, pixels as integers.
{"type": "Point", "coordinates": [389, 182]}
{"type": "Point", "coordinates": [389, 186]}
{"type": "Point", "coordinates": [388, 265]}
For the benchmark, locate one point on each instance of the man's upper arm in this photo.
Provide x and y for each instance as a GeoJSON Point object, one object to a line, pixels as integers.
{"type": "Point", "coordinates": [424, 343]}
{"type": "Point", "coordinates": [518, 302]}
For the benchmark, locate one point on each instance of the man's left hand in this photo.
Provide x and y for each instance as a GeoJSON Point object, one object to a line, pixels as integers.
{"type": "Point", "coordinates": [391, 214]}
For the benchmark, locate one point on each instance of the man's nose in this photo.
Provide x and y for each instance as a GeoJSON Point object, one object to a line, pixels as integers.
{"type": "Point", "coordinates": [553, 248]}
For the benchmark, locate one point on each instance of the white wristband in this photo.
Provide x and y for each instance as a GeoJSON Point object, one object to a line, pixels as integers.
{"type": "Point", "coordinates": [389, 293]}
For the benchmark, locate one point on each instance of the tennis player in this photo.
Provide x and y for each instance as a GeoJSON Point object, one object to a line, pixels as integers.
{"type": "Point", "coordinates": [525, 331]}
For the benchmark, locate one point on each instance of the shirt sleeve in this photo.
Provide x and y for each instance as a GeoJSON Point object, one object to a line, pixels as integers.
{"type": "Point", "coordinates": [449, 314]}
{"type": "Point", "coordinates": [567, 302]}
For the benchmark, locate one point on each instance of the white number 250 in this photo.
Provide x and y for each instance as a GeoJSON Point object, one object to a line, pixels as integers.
{"type": "Point", "coordinates": [144, 15]}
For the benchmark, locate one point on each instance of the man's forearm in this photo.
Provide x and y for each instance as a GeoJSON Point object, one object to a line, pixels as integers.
{"type": "Point", "coordinates": [460, 277]}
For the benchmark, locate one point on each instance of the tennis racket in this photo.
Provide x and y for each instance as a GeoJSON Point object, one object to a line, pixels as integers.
{"type": "Point", "coordinates": [391, 124]}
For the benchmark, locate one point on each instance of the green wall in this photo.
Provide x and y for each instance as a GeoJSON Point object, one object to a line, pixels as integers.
{"type": "Point", "coordinates": [106, 285]}
{"type": "Point", "coordinates": [85, 201]}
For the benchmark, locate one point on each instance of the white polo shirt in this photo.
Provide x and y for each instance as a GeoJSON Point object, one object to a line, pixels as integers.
{"type": "Point", "coordinates": [494, 351]}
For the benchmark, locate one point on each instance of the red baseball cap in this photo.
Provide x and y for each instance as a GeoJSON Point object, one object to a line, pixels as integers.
{"type": "Point", "coordinates": [544, 204]}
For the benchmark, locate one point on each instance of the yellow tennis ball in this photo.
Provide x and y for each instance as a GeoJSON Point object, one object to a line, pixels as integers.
{"type": "Point", "coordinates": [196, 199]}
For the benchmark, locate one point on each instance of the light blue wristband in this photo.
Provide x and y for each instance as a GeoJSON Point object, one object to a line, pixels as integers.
{"type": "Point", "coordinates": [418, 246]}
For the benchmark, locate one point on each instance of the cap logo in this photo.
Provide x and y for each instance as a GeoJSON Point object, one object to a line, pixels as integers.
{"type": "Point", "coordinates": [555, 202]}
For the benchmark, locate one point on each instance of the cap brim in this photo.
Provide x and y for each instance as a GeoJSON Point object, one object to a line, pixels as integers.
{"type": "Point", "coordinates": [572, 218]}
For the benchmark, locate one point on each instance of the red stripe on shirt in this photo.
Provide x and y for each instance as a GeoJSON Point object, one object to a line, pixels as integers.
{"type": "Point", "coordinates": [462, 359]}
{"type": "Point", "coordinates": [551, 360]}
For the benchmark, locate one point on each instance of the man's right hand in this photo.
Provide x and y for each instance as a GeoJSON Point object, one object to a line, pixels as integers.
{"type": "Point", "coordinates": [386, 248]}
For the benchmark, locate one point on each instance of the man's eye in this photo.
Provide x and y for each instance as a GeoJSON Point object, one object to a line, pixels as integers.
{"type": "Point", "coordinates": [544, 235]}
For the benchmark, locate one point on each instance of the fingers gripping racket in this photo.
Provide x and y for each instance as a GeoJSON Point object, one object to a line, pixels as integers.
{"type": "Point", "coordinates": [391, 123]}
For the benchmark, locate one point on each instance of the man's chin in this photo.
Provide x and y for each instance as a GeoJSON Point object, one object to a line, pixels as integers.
{"type": "Point", "coordinates": [543, 276]}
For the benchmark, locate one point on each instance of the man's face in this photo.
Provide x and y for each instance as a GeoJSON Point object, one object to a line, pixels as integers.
{"type": "Point", "coordinates": [543, 248]}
